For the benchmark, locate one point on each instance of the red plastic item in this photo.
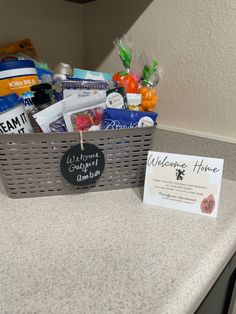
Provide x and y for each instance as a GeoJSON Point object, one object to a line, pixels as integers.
{"type": "Point", "coordinates": [127, 81]}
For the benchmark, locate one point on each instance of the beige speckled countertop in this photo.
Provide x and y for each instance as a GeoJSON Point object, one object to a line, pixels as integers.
{"type": "Point", "coordinates": [107, 252]}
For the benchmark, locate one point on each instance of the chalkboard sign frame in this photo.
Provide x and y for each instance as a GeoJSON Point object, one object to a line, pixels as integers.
{"type": "Point", "coordinates": [82, 165]}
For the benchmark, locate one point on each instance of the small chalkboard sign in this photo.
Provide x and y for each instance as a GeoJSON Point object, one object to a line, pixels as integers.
{"type": "Point", "coordinates": [82, 167]}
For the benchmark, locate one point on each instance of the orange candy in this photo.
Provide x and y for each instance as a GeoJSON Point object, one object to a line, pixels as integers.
{"type": "Point", "coordinates": [149, 98]}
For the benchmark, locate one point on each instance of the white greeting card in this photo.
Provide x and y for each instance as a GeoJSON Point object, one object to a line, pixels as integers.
{"type": "Point", "coordinates": [183, 182]}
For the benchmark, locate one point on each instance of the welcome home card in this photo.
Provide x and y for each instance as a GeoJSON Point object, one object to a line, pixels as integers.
{"type": "Point", "coordinates": [183, 182]}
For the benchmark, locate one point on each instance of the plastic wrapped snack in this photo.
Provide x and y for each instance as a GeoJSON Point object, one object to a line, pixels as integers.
{"type": "Point", "coordinates": [125, 78]}
{"type": "Point", "coordinates": [87, 119]}
{"type": "Point", "coordinates": [85, 114]}
{"type": "Point", "coordinates": [51, 119]}
{"type": "Point", "coordinates": [149, 80]}
{"type": "Point", "coordinates": [123, 119]}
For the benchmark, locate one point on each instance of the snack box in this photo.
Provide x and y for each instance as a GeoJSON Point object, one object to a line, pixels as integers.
{"type": "Point", "coordinates": [87, 86]}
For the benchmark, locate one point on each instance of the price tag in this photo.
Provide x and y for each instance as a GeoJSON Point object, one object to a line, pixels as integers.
{"type": "Point", "coordinates": [82, 167]}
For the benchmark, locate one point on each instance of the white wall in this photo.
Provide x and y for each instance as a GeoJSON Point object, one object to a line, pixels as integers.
{"type": "Point", "coordinates": [55, 27]}
{"type": "Point", "coordinates": [195, 42]}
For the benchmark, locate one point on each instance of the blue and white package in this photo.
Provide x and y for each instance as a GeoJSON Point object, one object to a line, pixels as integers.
{"type": "Point", "coordinates": [124, 119]}
{"type": "Point", "coordinates": [91, 75]}
{"type": "Point", "coordinates": [59, 86]}
{"type": "Point", "coordinates": [44, 75]}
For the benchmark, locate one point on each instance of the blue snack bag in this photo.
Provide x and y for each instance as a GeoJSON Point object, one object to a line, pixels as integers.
{"type": "Point", "coordinates": [124, 119]}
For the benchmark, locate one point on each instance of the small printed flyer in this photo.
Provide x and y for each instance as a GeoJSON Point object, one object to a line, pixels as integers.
{"type": "Point", "coordinates": [183, 182]}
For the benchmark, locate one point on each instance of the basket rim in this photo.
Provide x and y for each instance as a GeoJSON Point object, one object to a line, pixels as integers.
{"type": "Point", "coordinates": [66, 135]}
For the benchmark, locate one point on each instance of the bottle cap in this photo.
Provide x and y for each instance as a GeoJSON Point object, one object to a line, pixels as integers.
{"type": "Point", "coordinates": [63, 68]}
{"type": "Point", "coordinates": [41, 93]}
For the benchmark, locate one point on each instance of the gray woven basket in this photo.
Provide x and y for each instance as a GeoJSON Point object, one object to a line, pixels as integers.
{"type": "Point", "coordinates": [30, 163]}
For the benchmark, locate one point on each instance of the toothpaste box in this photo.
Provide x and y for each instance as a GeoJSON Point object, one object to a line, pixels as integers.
{"type": "Point", "coordinates": [91, 75]}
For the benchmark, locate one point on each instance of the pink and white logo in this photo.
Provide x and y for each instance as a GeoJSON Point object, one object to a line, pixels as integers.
{"type": "Point", "coordinates": [208, 204]}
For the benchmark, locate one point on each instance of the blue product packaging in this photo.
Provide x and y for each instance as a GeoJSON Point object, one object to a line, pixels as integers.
{"type": "Point", "coordinates": [44, 75]}
{"type": "Point", "coordinates": [27, 98]}
{"type": "Point", "coordinates": [124, 119]}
